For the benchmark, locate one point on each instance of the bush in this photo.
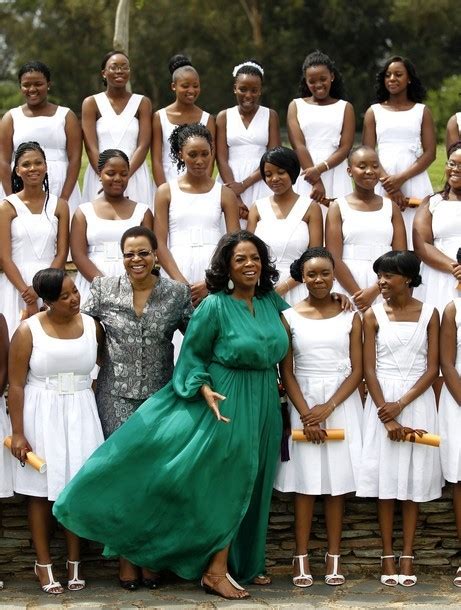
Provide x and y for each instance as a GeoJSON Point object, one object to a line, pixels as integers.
{"type": "Point", "coordinates": [444, 102]}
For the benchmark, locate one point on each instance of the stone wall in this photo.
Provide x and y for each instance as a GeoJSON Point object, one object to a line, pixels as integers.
{"type": "Point", "coordinates": [436, 546]}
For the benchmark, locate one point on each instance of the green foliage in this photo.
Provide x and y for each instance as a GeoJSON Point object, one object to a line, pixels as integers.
{"type": "Point", "coordinates": [9, 96]}
{"type": "Point", "coordinates": [444, 102]}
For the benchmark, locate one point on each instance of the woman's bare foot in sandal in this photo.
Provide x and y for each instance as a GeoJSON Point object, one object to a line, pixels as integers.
{"type": "Point", "coordinates": [223, 585]}
{"type": "Point", "coordinates": [262, 580]}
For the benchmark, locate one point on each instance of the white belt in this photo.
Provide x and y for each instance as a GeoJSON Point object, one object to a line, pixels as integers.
{"type": "Point", "coordinates": [195, 237]}
{"type": "Point", "coordinates": [110, 249]}
{"type": "Point", "coordinates": [63, 383]}
{"type": "Point", "coordinates": [364, 253]}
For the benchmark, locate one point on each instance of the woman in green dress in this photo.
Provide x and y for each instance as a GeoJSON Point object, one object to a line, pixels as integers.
{"type": "Point", "coordinates": [185, 484]}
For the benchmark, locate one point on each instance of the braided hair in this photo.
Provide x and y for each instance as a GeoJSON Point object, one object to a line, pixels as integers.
{"type": "Point", "coordinates": [179, 137]}
{"type": "Point", "coordinates": [111, 153]}
{"type": "Point", "coordinates": [446, 188]}
{"type": "Point", "coordinates": [17, 183]}
{"type": "Point", "coordinates": [249, 66]}
{"type": "Point", "coordinates": [178, 65]}
{"type": "Point", "coordinates": [317, 58]}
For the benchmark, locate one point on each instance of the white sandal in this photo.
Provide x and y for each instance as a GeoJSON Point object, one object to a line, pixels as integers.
{"type": "Point", "coordinates": [75, 583]}
{"type": "Point", "coordinates": [302, 575]}
{"type": "Point", "coordinates": [53, 587]}
{"type": "Point", "coordinates": [390, 580]}
{"type": "Point", "coordinates": [334, 575]}
{"type": "Point", "coordinates": [405, 577]}
{"type": "Point", "coordinates": [457, 578]}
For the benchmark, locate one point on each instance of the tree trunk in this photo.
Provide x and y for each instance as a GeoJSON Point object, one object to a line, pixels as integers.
{"type": "Point", "coordinates": [254, 15]}
{"type": "Point", "coordinates": [121, 40]}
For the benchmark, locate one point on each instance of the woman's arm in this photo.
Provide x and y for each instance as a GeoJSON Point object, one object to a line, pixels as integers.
{"type": "Point", "coordinates": [296, 137]}
{"type": "Point", "coordinates": [100, 338]}
{"type": "Point", "coordinates": [161, 227]}
{"type": "Point", "coordinates": [157, 151]}
{"type": "Point", "coordinates": [253, 219]}
{"type": "Point", "coordinates": [369, 129]}
{"type": "Point", "coordinates": [74, 154]}
{"type": "Point", "coordinates": [229, 205]}
{"type": "Point", "coordinates": [4, 345]}
{"type": "Point", "coordinates": [222, 151]}
{"type": "Point", "coordinates": [62, 238]}
{"type": "Point", "coordinates": [448, 352]}
{"type": "Point", "coordinates": [6, 262]}
{"type": "Point", "coordinates": [148, 220]}
{"type": "Point", "coordinates": [18, 367]}
{"type": "Point", "coordinates": [423, 241]}
{"type": "Point", "coordinates": [90, 137]}
{"type": "Point", "coordinates": [6, 151]}
{"type": "Point", "coordinates": [79, 247]}
{"type": "Point", "coordinates": [452, 134]}
{"type": "Point", "coordinates": [321, 412]}
{"type": "Point", "coordinates": [399, 236]}
{"type": "Point", "coordinates": [211, 126]}
{"type": "Point", "coordinates": [144, 135]}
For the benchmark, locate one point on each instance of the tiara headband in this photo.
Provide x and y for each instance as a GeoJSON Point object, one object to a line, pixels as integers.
{"type": "Point", "coordinates": [247, 63]}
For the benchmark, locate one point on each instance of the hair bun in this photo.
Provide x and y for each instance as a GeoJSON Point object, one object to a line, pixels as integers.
{"type": "Point", "coordinates": [295, 271]}
{"type": "Point", "coordinates": [416, 281]}
{"type": "Point", "coordinates": [178, 61]}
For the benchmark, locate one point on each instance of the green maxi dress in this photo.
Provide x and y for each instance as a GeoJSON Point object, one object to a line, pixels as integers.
{"type": "Point", "coordinates": [173, 485]}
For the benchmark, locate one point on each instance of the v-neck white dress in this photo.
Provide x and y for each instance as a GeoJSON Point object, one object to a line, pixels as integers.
{"type": "Point", "coordinates": [400, 470]}
{"type": "Point", "coordinates": [287, 239]}
{"type": "Point", "coordinates": [119, 131]}
{"type": "Point", "coordinates": [33, 247]}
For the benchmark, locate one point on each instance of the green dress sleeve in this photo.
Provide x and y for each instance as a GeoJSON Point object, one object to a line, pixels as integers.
{"type": "Point", "coordinates": [92, 305]}
{"type": "Point", "coordinates": [191, 370]}
{"type": "Point", "coordinates": [279, 303]}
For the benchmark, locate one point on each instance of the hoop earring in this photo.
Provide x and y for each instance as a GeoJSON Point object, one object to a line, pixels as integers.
{"type": "Point", "coordinates": [230, 284]}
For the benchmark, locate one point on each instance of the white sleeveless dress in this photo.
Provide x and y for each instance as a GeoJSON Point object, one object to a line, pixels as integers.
{"type": "Point", "coordinates": [6, 459]}
{"type": "Point", "coordinates": [49, 132]}
{"type": "Point", "coordinates": [120, 131]}
{"type": "Point", "coordinates": [287, 239]}
{"type": "Point", "coordinates": [322, 127]}
{"type": "Point", "coordinates": [322, 362]}
{"type": "Point", "coordinates": [61, 420]}
{"type": "Point", "coordinates": [450, 417]}
{"type": "Point", "coordinates": [398, 138]}
{"type": "Point", "coordinates": [169, 167]}
{"type": "Point", "coordinates": [366, 236]}
{"type": "Point", "coordinates": [103, 237]}
{"type": "Point", "coordinates": [439, 288]}
{"type": "Point", "coordinates": [33, 247]}
{"type": "Point", "coordinates": [246, 147]}
{"type": "Point", "coordinates": [400, 470]}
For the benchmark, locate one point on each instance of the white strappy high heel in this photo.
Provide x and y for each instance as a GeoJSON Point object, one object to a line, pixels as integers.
{"type": "Point", "coordinates": [75, 583]}
{"type": "Point", "coordinates": [53, 586]}
{"type": "Point", "coordinates": [405, 577]}
{"type": "Point", "coordinates": [302, 575]}
{"type": "Point", "coordinates": [390, 580]}
{"type": "Point", "coordinates": [334, 575]}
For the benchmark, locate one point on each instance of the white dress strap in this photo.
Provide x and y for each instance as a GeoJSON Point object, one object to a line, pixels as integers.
{"type": "Point", "coordinates": [18, 204]}
{"type": "Point", "coordinates": [457, 304]}
{"type": "Point", "coordinates": [344, 207]}
{"type": "Point", "coordinates": [87, 209]}
{"type": "Point", "coordinates": [36, 329]}
{"type": "Point", "coordinates": [204, 118]}
{"type": "Point", "coordinates": [434, 202]}
{"type": "Point", "coordinates": [264, 208]}
{"type": "Point", "coordinates": [118, 123]}
{"type": "Point", "coordinates": [387, 206]}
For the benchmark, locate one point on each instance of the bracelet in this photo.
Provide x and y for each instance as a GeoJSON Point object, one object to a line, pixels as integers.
{"type": "Point", "coordinates": [401, 406]}
{"type": "Point", "coordinates": [242, 183]}
{"type": "Point", "coordinates": [287, 284]}
{"type": "Point", "coordinates": [333, 404]}
{"type": "Point", "coordinates": [326, 165]}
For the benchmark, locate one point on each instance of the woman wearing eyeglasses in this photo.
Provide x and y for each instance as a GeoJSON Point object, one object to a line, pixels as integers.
{"type": "Point", "coordinates": [97, 226]}
{"type": "Point", "coordinates": [437, 237]}
{"type": "Point", "coordinates": [116, 118]}
{"type": "Point", "coordinates": [140, 312]}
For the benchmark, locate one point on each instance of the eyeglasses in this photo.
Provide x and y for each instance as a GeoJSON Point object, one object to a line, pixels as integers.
{"type": "Point", "coordinates": [453, 165]}
{"type": "Point", "coordinates": [142, 254]}
{"type": "Point", "coordinates": [116, 68]}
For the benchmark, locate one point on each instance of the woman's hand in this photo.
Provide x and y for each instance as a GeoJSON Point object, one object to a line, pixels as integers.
{"type": "Point", "coordinates": [395, 431]}
{"type": "Point", "coordinates": [318, 191]}
{"type": "Point", "coordinates": [282, 288]}
{"type": "Point", "coordinates": [20, 447]}
{"type": "Point", "coordinates": [211, 399]}
{"type": "Point", "coordinates": [344, 301]}
{"type": "Point", "coordinates": [236, 187]}
{"type": "Point", "coordinates": [364, 298]}
{"type": "Point", "coordinates": [30, 310]}
{"type": "Point", "coordinates": [317, 414]}
{"type": "Point", "coordinates": [399, 198]}
{"type": "Point", "coordinates": [392, 184]}
{"type": "Point", "coordinates": [314, 434]}
{"type": "Point", "coordinates": [29, 295]}
{"type": "Point", "coordinates": [456, 271]}
{"type": "Point", "coordinates": [198, 292]}
{"type": "Point", "coordinates": [311, 174]}
{"type": "Point", "coordinates": [389, 411]}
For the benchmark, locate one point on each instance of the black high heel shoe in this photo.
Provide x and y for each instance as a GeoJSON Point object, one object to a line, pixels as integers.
{"type": "Point", "coordinates": [129, 585]}
{"type": "Point", "coordinates": [152, 583]}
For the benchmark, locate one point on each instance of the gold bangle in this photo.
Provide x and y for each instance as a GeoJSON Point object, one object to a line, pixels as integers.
{"type": "Point", "coordinates": [326, 165]}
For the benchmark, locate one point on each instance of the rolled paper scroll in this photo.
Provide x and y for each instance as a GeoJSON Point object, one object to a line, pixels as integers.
{"type": "Point", "coordinates": [413, 202]}
{"type": "Point", "coordinates": [458, 258]}
{"type": "Point", "coordinates": [433, 440]}
{"type": "Point", "coordinates": [333, 434]}
{"type": "Point", "coordinates": [31, 459]}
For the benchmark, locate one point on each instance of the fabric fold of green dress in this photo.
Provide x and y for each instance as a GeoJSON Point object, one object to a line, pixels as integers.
{"type": "Point", "coordinates": [174, 485]}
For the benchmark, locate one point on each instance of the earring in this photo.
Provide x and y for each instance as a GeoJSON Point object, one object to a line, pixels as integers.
{"type": "Point", "coordinates": [230, 284]}
{"type": "Point", "coordinates": [259, 281]}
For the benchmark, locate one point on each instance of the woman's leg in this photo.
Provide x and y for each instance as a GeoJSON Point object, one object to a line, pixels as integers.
{"type": "Point", "coordinates": [127, 571]}
{"type": "Point", "coordinates": [410, 512]}
{"type": "Point", "coordinates": [75, 582]}
{"type": "Point", "coordinates": [386, 526]}
{"type": "Point", "coordinates": [457, 509]}
{"type": "Point", "coordinates": [334, 512]}
{"type": "Point", "coordinates": [304, 511]}
{"type": "Point", "coordinates": [215, 579]}
{"type": "Point", "coordinates": [40, 520]}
